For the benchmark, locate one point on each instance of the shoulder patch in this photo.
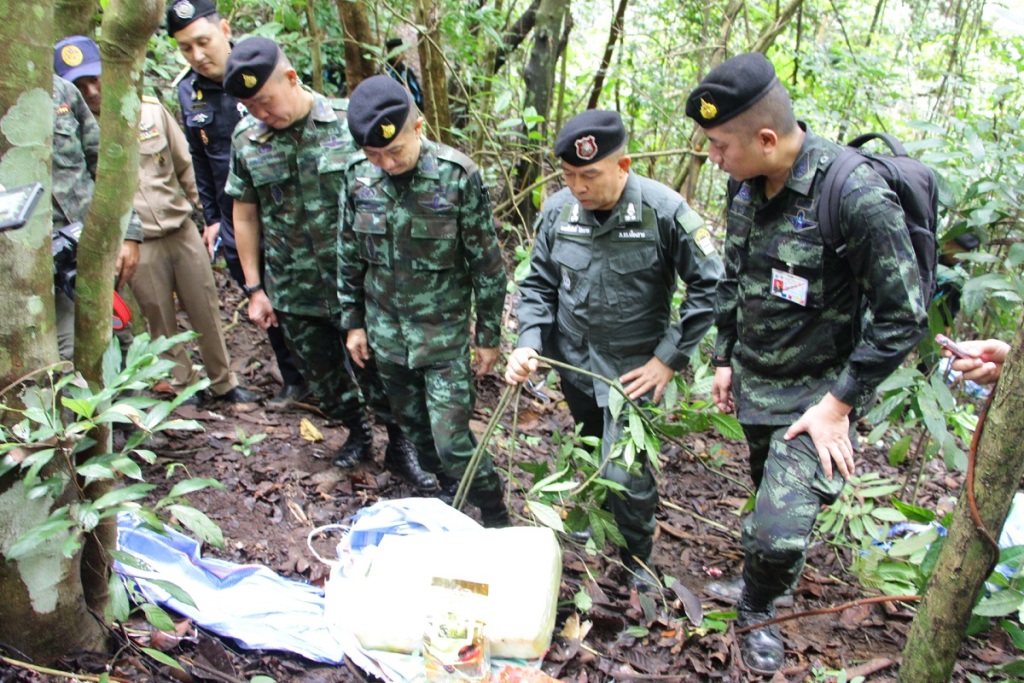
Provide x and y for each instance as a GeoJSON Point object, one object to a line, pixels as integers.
{"type": "Point", "coordinates": [455, 156]}
{"type": "Point", "coordinates": [689, 220]}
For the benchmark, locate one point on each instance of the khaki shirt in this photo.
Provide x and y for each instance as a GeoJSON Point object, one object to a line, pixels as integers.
{"type": "Point", "coordinates": [165, 171]}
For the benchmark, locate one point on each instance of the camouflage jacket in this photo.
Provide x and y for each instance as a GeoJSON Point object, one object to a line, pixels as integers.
{"type": "Point", "coordinates": [294, 175]}
{"type": "Point", "coordinates": [599, 295]}
{"type": "Point", "coordinates": [416, 254]}
{"type": "Point", "coordinates": [785, 313]}
{"type": "Point", "coordinates": [76, 147]}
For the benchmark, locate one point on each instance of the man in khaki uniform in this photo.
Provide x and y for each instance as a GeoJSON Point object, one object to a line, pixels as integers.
{"type": "Point", "coordinates": [173, 257]}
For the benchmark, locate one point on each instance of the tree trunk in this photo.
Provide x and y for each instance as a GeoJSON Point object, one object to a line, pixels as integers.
{"type": "Point", "coordinates": [966, 557]}
{"type": "Point", "coordinates": [315, 55]}
{"type": "Point", "coordinates": [609, 50]}
{"type": "Point", "coordinates": [686, 179]}
{"type": "Point", "coordinates": [127, 25]}
{"type": "Point", "coordinates": [43, 613]}
{"type": "Point", "coordinates": [540, 82]}
{"type": "Point", "coordinates": [356, 28]}
{"type": "Point", "coordinates": [432, 65]}
{"type": "Point", "coordinates": [516, 34]}
{"type": "Point", "coordinates": [73, 18]}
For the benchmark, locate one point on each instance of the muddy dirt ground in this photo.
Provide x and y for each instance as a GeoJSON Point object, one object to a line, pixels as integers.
{"type": "Point", "coordinates": [288, 485]}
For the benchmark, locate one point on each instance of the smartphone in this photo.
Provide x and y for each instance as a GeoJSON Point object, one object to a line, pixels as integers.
{"type": "Point", "coordinates": [947, 343]}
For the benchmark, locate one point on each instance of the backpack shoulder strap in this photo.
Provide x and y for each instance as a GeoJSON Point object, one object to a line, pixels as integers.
{"type": "Point", "coordinates": [890, 141]}
{"type": "Point", "coordinates": [830, 201]}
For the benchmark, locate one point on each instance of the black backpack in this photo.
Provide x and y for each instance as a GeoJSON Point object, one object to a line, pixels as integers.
{"type": "Point", "coordinates": [913, 183]}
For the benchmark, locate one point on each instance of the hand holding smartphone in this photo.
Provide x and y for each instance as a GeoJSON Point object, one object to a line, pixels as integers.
{"type": "Point", "coordinates": [947, 343]}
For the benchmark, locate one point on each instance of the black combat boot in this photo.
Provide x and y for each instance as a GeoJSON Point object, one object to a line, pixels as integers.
{"type": "Point", "coordinates": [491, 501]}
{"type": "Point", "coordinates": [359, 445]}
{"type": "Point", "coordinates": [638, 576]}
{"type": "Point", "coordinates": [401, 458]}
{"type": "Point", "coordinates": [494, 514]}
{"type": "Point", "coordinates": [762, 648]}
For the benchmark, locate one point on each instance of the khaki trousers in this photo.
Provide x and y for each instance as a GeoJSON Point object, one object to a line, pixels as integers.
{"type": "Point", "coordinates": [178, 263]}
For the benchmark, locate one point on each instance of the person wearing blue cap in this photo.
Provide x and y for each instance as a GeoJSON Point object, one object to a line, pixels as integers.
{"type": "Point", "coordinates": [288, 159]}
{"type": "Point", "coordinates": [172, 257]}
{"type": "Point", "coordinates": [418, 256]}
{"type": "Point", "coordinates": [76, 145]}
{"type": "Point", "coordinates": [604, 267]}
{"type": "Point", "coordinates": [787, 358]}
{"type": "Point", "coordinates": [210, 115]}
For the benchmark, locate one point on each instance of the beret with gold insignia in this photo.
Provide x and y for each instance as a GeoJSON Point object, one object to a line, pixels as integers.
{"type": "Point", "coordinates": [730, 89]}
{"type": "Point", "coordinates": [589, 137]}
{"type": "Point", "coordinates": [377, 111]}
{"type": "Point", "coordinates": [249, 66]}
{"type": "Point", "coordinates": [181, 13]}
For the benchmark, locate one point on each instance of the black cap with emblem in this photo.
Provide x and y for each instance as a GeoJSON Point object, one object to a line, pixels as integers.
{"type": "Point", "coordinates": [590, 137]}
{"type": "Point", "coordinates": [377, 111]}
{"type": "Point", "coordinates": [181, 13]}
{"type": "Point", "coordinates": [731, 88]}
{"type": "Point", "coordinates": [249, 66]}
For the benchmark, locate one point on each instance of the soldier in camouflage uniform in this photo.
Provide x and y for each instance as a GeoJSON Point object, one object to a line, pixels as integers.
{"type": "Point", "coordinates": [288, 159]}
{"type": "Point", "coordinates": [786, 355]}
{"type": "Point", "coordinates": [76, 145]}
{"type": "Point", "coordinates": [417, 248]}
{"type": "Point", "coordinates": [599, 296]}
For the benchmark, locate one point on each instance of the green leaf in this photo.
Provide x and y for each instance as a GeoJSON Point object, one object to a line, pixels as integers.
{"type": "Point", "coordinates": [123, 495]}
{"type": "Point", "coordinates": [888, 515]}
{"type": "Point", "coordinates": [175, 591]}
{"type": "Point", "coordinates": [878, 491]}
{"type": "Point", "coordinates": [582, 600]}
{"type": "Point", "coordinates": [158, 618]}
{"type": "Point", "coordinates": [727, 425]}
{"type": "Point", "coordinates": [548, 480]}
{"type": "Point", "coordinates": [161, 657]}
{"type": "Point", "coordinates": [914, 513]}
{"type": "Point", "coordinates": [199, 524]}
{"type": "Point", "coordinates": [905, 547]}
{"type": "Point", "coordinates": [1000, 604]}
{"type": "Point", "coordinates": [183, 488]}
{"type": "Point", "coordinates": [262, 679]}
{"type": "Point", "coordinates": [636, 429]}
{"type": "Point", "coordinates": [546, 515]}
{"type": "Point", "coordinates": [616, 399]}
{"type": "Point", "coordinates": [1014, 631]}
{"type": "Point", "coordinates": [637, 631]}
{"type": "Point", "coordinates": [118, 606]}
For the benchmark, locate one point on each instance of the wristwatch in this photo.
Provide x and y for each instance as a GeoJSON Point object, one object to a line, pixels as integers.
{"type": "Point", "coordinates": [721, 361]}
{"type": "Point", "coordinates": [252, 289]}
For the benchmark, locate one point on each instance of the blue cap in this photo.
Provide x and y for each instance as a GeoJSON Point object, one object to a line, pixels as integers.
{"type": "Point", "coordinates": [76, 56]}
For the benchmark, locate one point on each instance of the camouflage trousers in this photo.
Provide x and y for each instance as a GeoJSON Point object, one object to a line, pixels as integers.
{"type": "Point", "coordinates": [791, 488]}
{"type": "Point", "coordinates": [319, 349]}
{"type": "Point", "coordinates": [634, 508]}
{"type": "Point", "coordinates": [433, 406]}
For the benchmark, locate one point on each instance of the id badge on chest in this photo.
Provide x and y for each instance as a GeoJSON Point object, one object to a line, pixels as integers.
{"type": "Point", "coordinates": [789, 287]}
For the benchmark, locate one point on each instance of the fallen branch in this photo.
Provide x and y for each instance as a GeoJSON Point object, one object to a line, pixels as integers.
{"type": "Point", "coordinates": [831, 610]}
{"type": "Point", "coordinates": [60, 674]}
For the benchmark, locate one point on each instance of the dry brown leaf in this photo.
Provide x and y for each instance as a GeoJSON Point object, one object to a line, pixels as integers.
{"type": "Point", "coordinates": [309, 432]}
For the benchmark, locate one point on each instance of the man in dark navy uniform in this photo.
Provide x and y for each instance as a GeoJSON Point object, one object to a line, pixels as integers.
{"type": "Point", "coordinates": [211, 115]}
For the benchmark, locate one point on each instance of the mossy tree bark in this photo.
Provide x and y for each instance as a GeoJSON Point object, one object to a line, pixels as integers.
{"type": "Point", "coordinates": [127, 26]}
{"type": "Point", "coordinates": [963, 564]}
{"type": "Point", "coordinates": [43, 613]}
{"type": "Point", "coordinates": [432, 65]}
{"type": "Point", "coordinates": [357, 32]}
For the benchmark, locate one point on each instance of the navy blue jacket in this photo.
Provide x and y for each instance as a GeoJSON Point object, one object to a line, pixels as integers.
{"type": "Point", "coordinates": [210, 116]}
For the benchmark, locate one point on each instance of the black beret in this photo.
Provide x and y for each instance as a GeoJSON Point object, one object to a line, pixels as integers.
{"type": "Point", "coordinates": [377, 111]}
{"type": "Point", "coordinates": [181, 13]}
{"type": "Point", "coordinates": [249, 66]}
{"type": "Point", "coordinates": [392, 43]}
{"type": "Point", "coordinates": [730, 89]}
{"type": "Point", "coordinates": [590, 137]}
